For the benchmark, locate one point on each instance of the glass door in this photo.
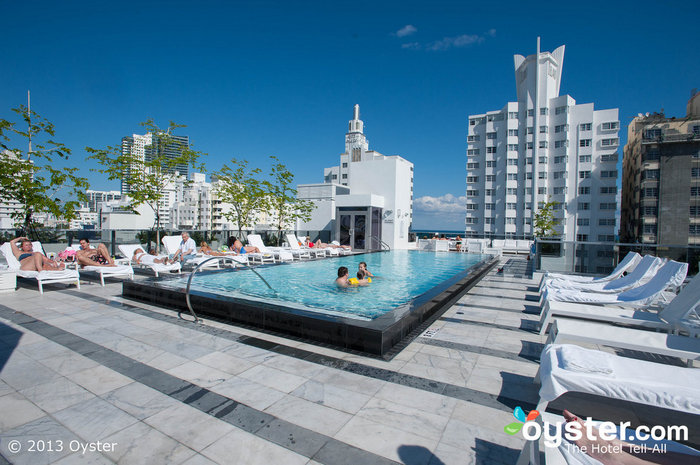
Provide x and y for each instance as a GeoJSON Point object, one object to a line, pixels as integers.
{"type": "Point", "coordinates": [345, 230]}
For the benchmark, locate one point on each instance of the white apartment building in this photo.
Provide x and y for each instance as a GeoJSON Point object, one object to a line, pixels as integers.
{"type": "Point", "coordinates": [96, 198]}
{"type": "Point", "coordinates": [192, 208]}
{"type": "Point", "coordinates": [544, 146]}
{"type": "Point", "coordinates": [365, 200]}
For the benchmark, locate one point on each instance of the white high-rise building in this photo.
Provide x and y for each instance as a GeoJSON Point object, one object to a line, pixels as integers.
{"type": "Point", "coordinates": [364, 201]}
{"type": "Point", "coordinates": [542, 147]}
{"type": "Point", "coordinates": [96, 198]}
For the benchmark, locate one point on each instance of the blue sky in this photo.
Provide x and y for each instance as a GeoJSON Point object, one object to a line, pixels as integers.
{"type": "Point", "coordinates": [253, 79]}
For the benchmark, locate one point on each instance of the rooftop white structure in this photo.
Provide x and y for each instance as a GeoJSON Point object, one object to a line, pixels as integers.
{"type": "Point", "coordinates": [367, 199]}
{"type": "Point", "coordinates": [544, 146]}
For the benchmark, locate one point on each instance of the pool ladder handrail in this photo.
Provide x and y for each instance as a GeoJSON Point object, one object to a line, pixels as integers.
{"type": "Point", "coordinates": [189, 283]}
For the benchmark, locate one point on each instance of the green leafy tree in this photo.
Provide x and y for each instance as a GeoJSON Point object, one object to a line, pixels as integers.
{"type": "Point", "coordinates": [31, 178]}
{"type": "Point", "coordinates": [149, 176]}
{"type": "Point", "coordinates": [545, 223]}
{"type": "Point", "coordinates": [243, 190]}
{"type": "Point", "coordinates": [282, 197]}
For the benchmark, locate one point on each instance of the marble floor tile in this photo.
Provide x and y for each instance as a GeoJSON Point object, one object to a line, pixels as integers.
{"type": "Point", "coordinates": [308, 414]}
{"type": "Point", "coordinates": [139, 401]}
{"type": "Point", "coordinates": [94, 419]}
{"type": "Point", "coordinates": [189, 426]}
{"type": "Point", "coordinates": [331, 396]}
{"type": "Point", "coordinates": [405, 418]}
{"type": "Point", "coordinates": [241, 447]}
{"type": "Point", "coordinates": [274, 378]}
{"type": "Point", "coordinates": [99, 380]}
{"type": "Point", "coordinates": [17, 410]}
{"type": "Point", "coordinates": [199, 374]}
{"type": "Point", "coordinates": [225, 362]}
{"type": "Point", "coordinates": [43, 433]}
{"type": "Point", "coordinates": [56, 394]}
{"type": "Point", "coordinates": [139, 444]}
{"type": "Point", "coordinates": [248, 392]}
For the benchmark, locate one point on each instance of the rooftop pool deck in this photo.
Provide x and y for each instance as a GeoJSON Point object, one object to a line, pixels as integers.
{"type": "Point", "coordinates": [88, 365]}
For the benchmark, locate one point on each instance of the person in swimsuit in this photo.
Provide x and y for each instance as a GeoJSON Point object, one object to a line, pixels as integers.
{"type": "Point", "coordinates": [342, 280]}
{"type": "Point", "coordinates": [30, 260]}
{"type": "Point", "coordinates": [90, 256]}
{"type": "Point", "coordinates": [206, 250]}
{"type": "Point", "coordinates": [148, 259]}
{"type": "Point", "coordinates": [238, 247]}
{"type": "Point", "coordinates": [363, 267]}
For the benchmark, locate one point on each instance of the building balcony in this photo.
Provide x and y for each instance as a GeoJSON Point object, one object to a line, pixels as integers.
{"type": "Point", "coordinates": [672, 138]}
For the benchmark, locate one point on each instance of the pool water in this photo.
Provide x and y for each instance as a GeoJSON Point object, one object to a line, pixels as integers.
{"type": "Point", "coordinates": [400, 277]}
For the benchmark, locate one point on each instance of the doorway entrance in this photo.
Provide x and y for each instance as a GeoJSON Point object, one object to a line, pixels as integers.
{"type": "Point", "coordinates": [359, 227]}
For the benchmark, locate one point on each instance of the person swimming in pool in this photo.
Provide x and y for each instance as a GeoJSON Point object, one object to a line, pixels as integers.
{"type": "Point", "coordinates": [30, 260]}
{"type": "Point", "coordinates": [362, 279]}
{"type": "Point", "coordinates": [363, 267]}
{"type": "Point", "coordinates": [342, 280]}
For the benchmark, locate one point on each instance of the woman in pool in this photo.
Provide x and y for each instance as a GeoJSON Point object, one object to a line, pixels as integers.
{"type": "Point", "coordinates": [30, 260]}
{"type": "Point", "coordinates": [363, 268]}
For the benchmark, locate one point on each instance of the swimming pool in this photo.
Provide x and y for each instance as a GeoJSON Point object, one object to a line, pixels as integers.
{"type": "Point", "coordinates": [409, 287]}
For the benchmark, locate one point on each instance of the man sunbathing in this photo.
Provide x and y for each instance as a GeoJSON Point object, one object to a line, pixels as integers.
{"type": "Point", "coordinates": [142, 257]}
{"type": "Point", "coordinates": [90, 256]}
{"type": "Point", "coordinates": [30, 260]}
{"type": "Point", "coordinates": [323, 245]}
{"type": "Point", "coordinates": [624, 453]}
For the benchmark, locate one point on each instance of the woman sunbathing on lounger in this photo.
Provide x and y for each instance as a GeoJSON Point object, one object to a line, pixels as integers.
{"type": "Point", "coordinates": [90, 256]}
{"type": "Point", "coordinates": [323, 245]}
{"type": "Point", "coordinates": [206, 250]}
{"type": "Point", "coordinates": [623, 453]}
{"type": "Point", "coordinates": [30, 260]}
{"type": "Point", "coordinates": [238, 247]}
{"type": "Point", "coordinates": [142, 257]}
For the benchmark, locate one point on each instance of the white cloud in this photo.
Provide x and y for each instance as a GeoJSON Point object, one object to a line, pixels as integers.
{"type": "Point", "coordinates": [407, 30]}
{"type": "Point", "coordinates": [447, 203]}
{"type": "Point", "coordinates": [446, 43]}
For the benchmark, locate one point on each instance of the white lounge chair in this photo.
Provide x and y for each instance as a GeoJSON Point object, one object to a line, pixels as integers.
{"type": "Point", "coordinates": [584, 332]}
{"type": "Point", "coordinates": [341, 250]}
{"type": "Point", "coordinates": [567, 368]}
{"type": "Point", "coordinates": [641, 273]}
{"type": "Point", "coordinates": [315, 251]}
{"type": "Point", "coordinates": [672, 275]}
{"type": "Point", "coordinates": [41, 277]}
{"type": "Point", "coordinates": [296, 249]}
{"type": "Point", "coordinates": [172, 244]}
{"type": "Point", "coordinates": [127, 250]}
{"type": "Point", "coordinates": [670, 318]}
{"type": "Point", "coordinates": [119, 270]}
{"type": "Point", "coordinates": [626, 264]}
{"type": "Point", "coordinates": [279, 253]}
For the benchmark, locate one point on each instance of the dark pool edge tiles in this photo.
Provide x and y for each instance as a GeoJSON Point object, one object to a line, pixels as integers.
{"type": "Point", "coordinates": [499, 402]}
{"type": "Point", "coordinates": [303, 441]}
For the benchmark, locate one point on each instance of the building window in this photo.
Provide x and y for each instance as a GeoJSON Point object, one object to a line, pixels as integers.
{"type": "Point", "coordinates": [510, 220]}
{"type": "Point", "coordinates": [513, 132]}
{"type": "Point", "coordinates": [609, 157]}
{"type": "Point", "coordinates": [608, 190]}
{"type": "Point", "coordinates": [512, 162]}
{"type": "Point", "coordinates": [584, 143]}
{"type": "Point", "coordinates": [608, 174]}
{"type": "Point", "coordinates": [606, 222]}
{"type": "Point", "coordinates": [561, 159]}
{"type": "Point", "coordinates": [544, 129]}
{"type": "Point", "coordinates": [345, 165]}
{"type": "Point", "coordinates": [512, 115]}
{"type": "Point", "coordinates": [608, 206]}
{"type": "Point", "coordinates": [512, 177]}
{"type": "Point", "coordinates": [511, 206]}
{"type": "Point", "coordinates": [695, 172]}
{"type": "Point", "coordinates": [696, 130]}
{"type": "Point", "coordinates": [650, 211]}
{"type": "Point", "coordinates": [584, 206]}
{"type": "Point", "coordinates": [512, 147]}
{"type": "Point", "coordinates": [695, 191]}
{"type": "Point", "coordinates": [609, 142]}
{"type": "Point", "coordinates": [559, 175]}
{"type": "Point", "coordinates": [488, 220]}
{"type": "Point", "coordinates": [651, 192]}
{"type": "Point", "coordinates": [528, 175]}
{"type": "Point", "coordinates": [650, 174]}
{"type": "Point", "coordinates": [542, 159]}
{"type": "Point", "coordinates": [649, 229]}
{"type": "Point", "coordinates": [651, 154]}
{"type": "Point", "coordinates": [606, 238]}
{"type": "Point", "coordinates": [529, 146]}
{"type": "Point", "coordinates": [472, 193]}
{"type": "Point", "coordinates": [529, 160]}
{"type": "Point", "coordinates": [584, 174]}
{"type": "Point", "coordinates": [490, 164]}
{"type": "Point", "coordinates": [472, 206]}
{"type": "Point", "coordinates": [472, 122]}
{"type": "Point", "coordinates": [611, 125]}
{"type": "Point", "coordinates": [474, 138]}
{"type": "Point", "coordinates": [531, 112]}
{"type": "Point", "coordinates": [694, 210]}
{"type": "Point", "coordinates": [530, 130]}
{"type": "Point", "coordinates": [561, 144]}
{"type": "Point", "coordinates": [473, 179]}
{"type": "Point", "coordinates": [473, 152]}
{"type": "Point", "coordinates": [491, 135]}
{"type": "Point", "coordinates": [582, 237]}
{"type": "Point", "coordinates": [489, 192]}
{"type": "Point", "coordinates": [652, 134]}
{"type": "Point", "coordinates": [490, 177]}
{"type": "Point", "coordinates": [694, 229]}
{"type": "Point", "coordinates": [345, 176]}
{"type": "Point", "coordinates": [544, 144]}
{"type": "Point", "coordinates": [542, 175]}
{"type": "Point", "coordinates": [471, 220]}
{"type": "Point", "coordinates": [585, 126]}
{"type": "Point", "coordinates": [582, 222]}
{"type": "Point", "coordinates": [473, 166]}
{"type": "Point", "coordinates": [559, 190]}
{"type": "Point", "coordinates": [542, 190]}
{"type": "Point", "coordinates": [544, 111]}
{"type": "Point", "coordinates": [356, 154]}
{"type": "Point", "coordinates": [490, 149]}
{"type": "Point", "coordinates": [335, 176]}
{"type": "Point", "coordinates": [584, 158]}
{"type": "Point", "coordinates": [561, 128]}
{"type": "Point", "coordinates": [490, 206]}
{"type": "Point", "coordinates": [560, 110]}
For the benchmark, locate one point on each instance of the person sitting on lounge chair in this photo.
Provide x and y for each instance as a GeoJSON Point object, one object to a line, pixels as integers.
{"type": "Point", "coordinates": [623, 453]}
{"type": "Point", "coordinates": [238, 247]}
{"type": "Point", "coordinates": [30, 260]}
{"type": "Point", "coordinates": [90, 256]}
{"type": "Point", "coordinates": [144, 258]}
